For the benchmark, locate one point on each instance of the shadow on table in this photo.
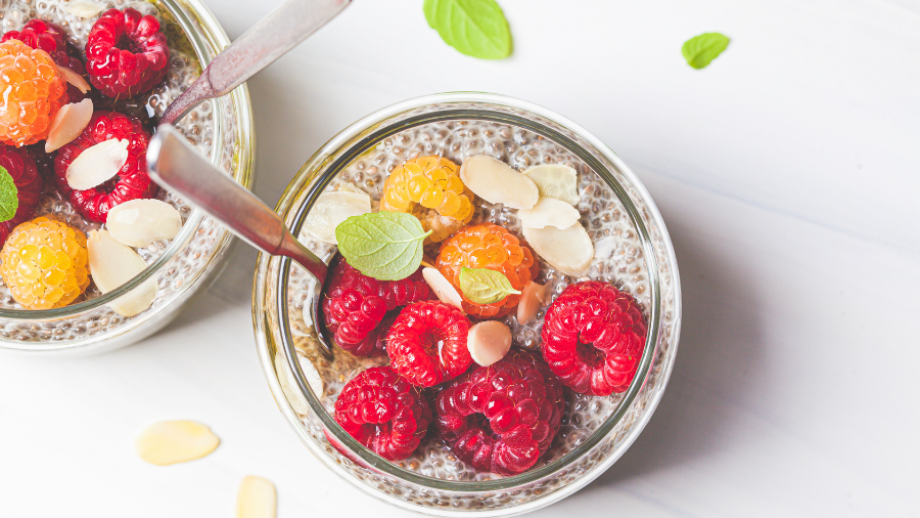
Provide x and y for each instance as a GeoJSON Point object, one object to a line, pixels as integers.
{"type": "Point", "coordinates": [719, 360]}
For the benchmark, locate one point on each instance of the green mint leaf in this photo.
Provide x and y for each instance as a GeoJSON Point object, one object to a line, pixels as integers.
{"type": "Point", "coordinates": [484, 286]}
{"type": "Point", "coordinates": [477, 28]}
{"type": "Point", "coordinates": [701, 50]}
{"type": "Point", "coordinates": [384, 245]}
{"type": "Point", "coordinates": [9, 196]}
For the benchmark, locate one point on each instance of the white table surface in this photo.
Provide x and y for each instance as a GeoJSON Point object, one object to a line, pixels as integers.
{"type": "Point", "coordinates": [788, 173]}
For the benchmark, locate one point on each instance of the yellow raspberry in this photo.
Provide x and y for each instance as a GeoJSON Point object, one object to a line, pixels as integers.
{"type": "Point", "coordinates": [33, 92]}
{"type": "Point", "coordinates": [44, 263]}
{"type": "Point", "coordinates": [429, 188]}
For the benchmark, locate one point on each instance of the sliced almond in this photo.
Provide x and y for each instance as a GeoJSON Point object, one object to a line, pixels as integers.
{"type": "Point", "coordinates": [532, 297]}
{"type": "Point", "coordinates": [139, 223]}
{"type": "Point", "coordinates": [497, 182]}
{"type": "Point", "coordinates": [74, 78]}
{"type": "Point", "coordinates": [112, 264]}
{"type": "Point", "coordinates": [332, 208]}
{"type": "Point", "coordinates": [488, 342]}
{"type": "Point", "coordinates": [549, 212]}
{"type": "Point", "coordinates": [256, 498]}
{"type": "Point", "coordinates": [289, 386]}
{"type": "Point", "coordinates": [556, 181]}
{"type": "Point", "coordinates": [68, 123]}
{"type": "Point", "coordinates": [169, 442]}
{"type": "Point", "coordinates": [568, 250]}
{"type": "Point", "coordinates": [97, 164]}
{"type": "Point", "coordinates": [442, 287]}
{"type": "Point", "coordinates": [84, 8]}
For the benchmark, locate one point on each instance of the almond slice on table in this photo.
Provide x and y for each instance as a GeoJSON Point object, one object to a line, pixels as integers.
{"type": "Point", "coordinates": [332, 208]}
{"type": "Point", "coordinates": [140, 222]}
{"type": "Point", "coordinates": [112, 264]}
{"type": "Point", "coordinates": [256, 498]}
{"type": "Point", "coordinates": [97, 164]}
{"type": "Point", "coordinates": [84, 8]}
{"type": "Point", "coordinates": [549, 212]}
{"type": "Point", "coordinates": [532, 297]}
{"type": "Point", "coordinates": [497, 182]}
{"type": "Point", "coordinates": [68, 124]}
{"type": "Point", "coordinates": [488, 342]}
{"type": "Point", "coordinates": [170, 442]}
{"type": "Point", "coordinates": [568, 250]}
{"type": "Point", "coordinates": [442, 287]}
{"type": "Point", "coordinates": [556, 181]}
{"type": "Point", "coordinates": [74, 79]}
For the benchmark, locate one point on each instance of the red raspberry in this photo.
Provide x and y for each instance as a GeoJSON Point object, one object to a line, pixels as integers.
{"type": "Point", "coordinates": [51, 38]}
{"type": "Point", "coordinates": [19, 164]}
{"type": "Point", "coordinates": [132, 181]}
{"type": "Point", "coordinates": [126, 53]}
{"type": "Point", "coordinates": [383, 412]}
{"type": "Point", "coordinates": [593, 338]}
{"type": "Point", "coordinates": [427, 343]}
{"type": "Point", "coordinates": [355, 306]}
{"type": "Point", "coordinates": [501, 418]}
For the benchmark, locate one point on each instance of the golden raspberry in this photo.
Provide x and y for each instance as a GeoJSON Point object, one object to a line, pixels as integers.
{"type": "Point", "coordinates": [430, 189]}
{"type": "Point", "coordinates": [493, 247]}
{"type": "Point", "coordinates": [33, 92]}
{"type": "Point", "coordinates": [44, 263]}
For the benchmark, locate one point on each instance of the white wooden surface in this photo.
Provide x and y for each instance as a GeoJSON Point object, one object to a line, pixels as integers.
{"type": "Point", "coordinates": [788, 173]}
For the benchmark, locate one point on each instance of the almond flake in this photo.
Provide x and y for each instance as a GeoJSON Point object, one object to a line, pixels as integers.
{"type": "Point", "coordinates": [289, 386]}
{"type": "Point", "coordinates": [139, 223]}
{"type": "Point", "coordinates": [549, 212]}
{"type": "Point", "coordinates": [112, 264]}
{"type": "Point", "coordinates": [445, 291]}
{"type": "Point", "coordinates": [532, 297]}
{"type": "Point", "coordinates": [488, 342]}
{"type": "Point", "coordinates": [332, 208]}
{"type": "Point", "coordinates": [556, 181]}
{"type": "Point", "coordinates": [68, 124]}
{"type": "Point", "coordinates": [169, 442]}
{"type": "Point", "coordinates": [568, 250]}
{"type": "Point", "coordinates": [84, 8]}
{"type": "Point", "coordinates": [497, 182]}
{"type": "Point", "coordinates": [74, 78]}
{"type": "Point", "coordinates": [256, 498]}
{"type": "Point", "coordinates": [97, 164]}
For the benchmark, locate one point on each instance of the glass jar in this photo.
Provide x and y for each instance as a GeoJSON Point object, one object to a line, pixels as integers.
{"type": "Point", "coordinates": [633, 251]}
{"type": "Point", "coordinates": [221, 128]}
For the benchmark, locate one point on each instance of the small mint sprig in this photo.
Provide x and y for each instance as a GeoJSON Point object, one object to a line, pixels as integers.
{"type": "Point", "coordinates": [477, 28]}
{"type": "Point", "coordinates": [484, 286]}
{"type": "Point", "coordinates": [384, 245]}
{"type": "Point", "coordinates": [9, 196]}
{"type": "Point", "coordinates": [699, 51]}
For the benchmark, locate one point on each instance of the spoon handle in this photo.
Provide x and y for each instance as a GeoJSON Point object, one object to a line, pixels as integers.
{"type": "Point", "coordinates": [175, 165]}
{"type": "Point", "coordinates": [269, 39]}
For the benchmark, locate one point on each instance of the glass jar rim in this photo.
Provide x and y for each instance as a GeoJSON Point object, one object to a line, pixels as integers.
{"type": "Point", "coordinates": [363, 135]}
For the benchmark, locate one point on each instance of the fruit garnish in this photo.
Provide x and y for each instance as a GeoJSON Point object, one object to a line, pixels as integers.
{"type": "Point", "coordinates": [442, 287]}
{"type": "Point", "coordinates": [126, 53]}
{"type": "Point", "coordinates": [52, 39]}
{"type": "Point", "coordinates": [549, 212]}
{"type": "Point", "coordinates": [84, 8]}
{"type": "Point", "coordinates": [140, 223]}
{"type": "Point", "coordinates": [33, 92]}
{"type": "Point", "coordinates": [355, 306]}
{"type": "Point", "coordinates": [593, 337]}
{"type": "Point", "coordinates": [171, 442]}
{"type": "Point", "coordinates": [331, 209]}
{"type": "Point", "coordinates": [97, 164]}
{"type": "Point", "coordinates": [382, 411]}
{"type": "Point", "coordinates": [44, 264]}
{"type": "Point", "coordinates": [256, 498]}
{"type": "Point", "coordinates": [488, 342]}
{"type": "Point", "coordinates": [430, 189]}
{"type": "Point", "coordinates": [569, 250]}
{"type": "Point", "coordinates": [532, 297]}
{"type": "Point", "coordinates": [427, 343]}
{"type": "Point", "coordinates": [492, 247]}
{"type": "Point", "coordinates": [485, 286]}
{"type": "Point", "coordinates": [384, 245]}
{"type": "Point", "coordinates": [132, 181]}
{"type": "Point", "coordinates": [556, 181]}
{"type": "Point", "coordinates": [113, 264]}
{"type": "Point", "coordinates": [501, 418]}
{"type": "Point", "coordinates": [497, 182]}
{"type": "Point", "coordinates": [20, 199]}
{"type": "Point", "coordinates": [74, 79]}
{"type": "Point", "coordinates": [68, 124]}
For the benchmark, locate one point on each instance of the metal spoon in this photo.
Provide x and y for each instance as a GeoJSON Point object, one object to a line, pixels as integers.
{"type": "Point", "coordinates": [176, 165]}
{"type": "Point", "coordinates": [269, 39]}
